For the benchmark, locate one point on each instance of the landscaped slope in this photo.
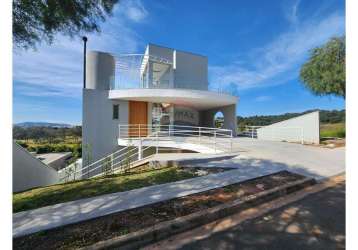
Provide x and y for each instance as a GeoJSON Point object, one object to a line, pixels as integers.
{"type": "Point", "coordinates": [40, 197]}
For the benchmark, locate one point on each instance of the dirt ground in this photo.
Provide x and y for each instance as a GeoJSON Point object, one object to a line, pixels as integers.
{"type": "Point", "coordinates": [315, 222]}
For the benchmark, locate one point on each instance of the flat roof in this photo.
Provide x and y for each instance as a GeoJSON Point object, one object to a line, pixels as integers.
{"type": "Point", "coordinates": [51, 157]}
{"type": "Point", "coordinates": [188, 52]}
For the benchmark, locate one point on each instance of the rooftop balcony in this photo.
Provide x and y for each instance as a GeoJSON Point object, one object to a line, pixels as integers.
{"type": "Point", "coordinates": [143, 71]}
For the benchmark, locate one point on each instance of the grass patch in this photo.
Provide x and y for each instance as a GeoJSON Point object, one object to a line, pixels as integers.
{"type": "Point", "coordinates": [337, 130]}
{"type": "Point", "coordinates": [40, 197]}
{"type": "Point", "coordinates": [88, 232]}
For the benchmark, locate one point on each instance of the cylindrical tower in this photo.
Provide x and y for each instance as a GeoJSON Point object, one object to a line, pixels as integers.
{"type": "Point", "coordinates": [100, 70]}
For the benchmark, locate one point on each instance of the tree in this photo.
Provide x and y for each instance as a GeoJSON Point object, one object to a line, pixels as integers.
{"type": "Point", "coordinates": [325, 71]}
{"type": "Point", "coordinates": [36, 20]}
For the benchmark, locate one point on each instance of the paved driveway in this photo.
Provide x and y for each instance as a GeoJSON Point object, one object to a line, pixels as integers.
{"type": "Point", "coordinates": [314, 161]}
{"type": "Point", "coordinates": [256, 158]}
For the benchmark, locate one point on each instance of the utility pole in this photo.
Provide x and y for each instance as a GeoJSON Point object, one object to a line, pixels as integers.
{"type": "Point", "coordinates": [84, 39]}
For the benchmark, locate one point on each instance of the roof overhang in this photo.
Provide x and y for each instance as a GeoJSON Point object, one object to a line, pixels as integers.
{"type": "Point", "coordinates": [199, 99]}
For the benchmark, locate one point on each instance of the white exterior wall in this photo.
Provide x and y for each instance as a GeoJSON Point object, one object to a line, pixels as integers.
{"type": "Point", "coordinates": [229, 112]}
{"type": "Point", "coordinates": [190, 70]}
{"type": "Point", "coordinates": [29, 172]}
{"type": "Point", "coordinates": [100, 70]}
{"type": "Point", "coordinates": [100, 131]}
{"type": "Point", "coordinates": [185, 116]}
{"type": "Point", "coordinates": [302, 128]}
{"type": "Point", "coordinates": [159, 51]}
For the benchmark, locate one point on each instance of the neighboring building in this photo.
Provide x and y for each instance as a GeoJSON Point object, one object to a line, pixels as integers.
{"type": "Point", "coordinates": [162, 87]}
{"type": "Point", "coordinates": [303, 129]}
{"type": "Point", "coordinates": [55, 160]}
{"type": "Point", "coordinates": [28, 171]}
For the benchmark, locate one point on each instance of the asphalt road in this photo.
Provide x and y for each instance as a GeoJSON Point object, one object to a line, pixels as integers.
{"type": "Point", "coordinates": [315, 222]}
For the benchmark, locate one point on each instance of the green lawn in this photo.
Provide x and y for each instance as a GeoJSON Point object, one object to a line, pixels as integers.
{"type": "Point", "coordinates": [333, 130]}
{"type": "Point", "coordinates": [50, 195]}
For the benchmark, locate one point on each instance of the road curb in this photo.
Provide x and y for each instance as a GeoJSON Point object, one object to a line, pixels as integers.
{"type": "Point", "coordinates": [166, 229]}
{"type": "Point", "coordinates": [204, 231]}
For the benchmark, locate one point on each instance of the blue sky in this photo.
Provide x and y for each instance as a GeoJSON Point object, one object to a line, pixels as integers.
{"type": "Point", "coordinates": [255, 49]}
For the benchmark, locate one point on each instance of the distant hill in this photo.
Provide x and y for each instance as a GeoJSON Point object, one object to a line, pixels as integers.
{"type": "Point", "coordinates": [326, 117]}
{"type": "Point", "coordinates": [43, 124]}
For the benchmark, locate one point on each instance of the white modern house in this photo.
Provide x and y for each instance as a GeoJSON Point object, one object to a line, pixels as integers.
{"type": "Point", "coordinates": [137, 106]}
{"type": "Point", "coordinates": [160, 98]}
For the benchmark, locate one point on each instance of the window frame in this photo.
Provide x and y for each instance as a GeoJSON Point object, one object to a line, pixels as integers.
{"type": "Point", "coordinates": [115, 112]}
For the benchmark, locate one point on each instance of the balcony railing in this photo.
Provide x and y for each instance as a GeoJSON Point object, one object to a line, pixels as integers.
{"type": "Point", "coordinates": [130, 74]}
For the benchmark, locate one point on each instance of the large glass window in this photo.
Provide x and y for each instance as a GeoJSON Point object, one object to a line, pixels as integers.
{"type": "Point", "coordinates": [161, 75]}
{"type": "Point", "coordinates": [161, 114]}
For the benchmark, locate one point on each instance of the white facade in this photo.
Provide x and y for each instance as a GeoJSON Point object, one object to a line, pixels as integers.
{"type": "Point", "coordinates": [303, 129]}
{"type": "Point", "coordinates": [171, 85]}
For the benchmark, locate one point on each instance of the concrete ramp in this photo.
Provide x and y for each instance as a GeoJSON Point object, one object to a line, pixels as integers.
{"type": "Point", "coordinates": [202, 145]}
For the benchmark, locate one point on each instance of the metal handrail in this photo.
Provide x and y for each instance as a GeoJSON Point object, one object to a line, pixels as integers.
{"type": "Point", "coordinates": [113, 157]}
{"type": "Point", "coordinates": [142, 130]}
{"type": "Point", "coordinates": [206, 136]}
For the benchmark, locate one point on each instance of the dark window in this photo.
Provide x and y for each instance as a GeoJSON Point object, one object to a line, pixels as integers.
{"type": "Point", "coordinates": [115, 112]}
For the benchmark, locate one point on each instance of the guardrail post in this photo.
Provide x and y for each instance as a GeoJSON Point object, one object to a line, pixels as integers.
{"type": "Point", "coordinates": [200, 134]}
{"type": "Point", "coordinates": [157, 149]}
{"type": "Point", "coordinates": [112, 162]}
{"type": "Point", "coordinates": [139, 130]}
{"type": "Point", "coordinates": [231, 141]}
{"type": "Point", "coordinates": [140, 149]}
{"type": "Point", "coordinates": [215, 140]}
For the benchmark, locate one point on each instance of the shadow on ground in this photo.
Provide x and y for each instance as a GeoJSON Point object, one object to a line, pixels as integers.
{"type": "Point", "coordinates": [84, 209]}
{"type": "Point", "coordinates": [316, 222]}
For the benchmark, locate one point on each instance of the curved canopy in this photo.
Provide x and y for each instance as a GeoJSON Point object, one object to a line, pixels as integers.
{"type": "Point", "coordinates": [199, 99]}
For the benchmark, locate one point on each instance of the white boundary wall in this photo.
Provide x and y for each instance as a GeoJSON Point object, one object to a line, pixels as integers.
{"type": "Point", "coordinates": [303, 129]}
{"type": "Point", "coordinates": [28, 171]}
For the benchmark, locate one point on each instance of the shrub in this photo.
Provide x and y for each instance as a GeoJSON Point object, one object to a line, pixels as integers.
{"type": "Point", "coordinates": [333, 130]}
{"type": "Point", "coordinates": [341, 134]}
{"type": "Point", "coordinates": [62, 148]}
{"type": "Point", "coordinates": [22, 144]}
{"type": "Point", "coordinates": [31, 149]}
{"type": "Point", "coordinates": [44, 149]}
{"type": "Point", "coordinates": [77, 151]}
{"type": "Point", "coordinates": [107, 166]}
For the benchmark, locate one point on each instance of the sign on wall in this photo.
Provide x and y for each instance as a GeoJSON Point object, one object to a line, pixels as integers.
{"type": "Point", "coordinates": [185, 115]}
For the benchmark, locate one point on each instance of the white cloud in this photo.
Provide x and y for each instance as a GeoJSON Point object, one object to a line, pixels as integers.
{"type": "Point", "coordinates": [56, 70]}
{"type": "Point", "coordinates": [292, 13]}
{"type": "Point", "coordinates": [279, 60]}
{"type": "Point", "coordinates": [134, 10]}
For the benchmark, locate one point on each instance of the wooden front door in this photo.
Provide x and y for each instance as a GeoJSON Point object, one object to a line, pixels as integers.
{"type": "Point", "coordinates": [138, 114]}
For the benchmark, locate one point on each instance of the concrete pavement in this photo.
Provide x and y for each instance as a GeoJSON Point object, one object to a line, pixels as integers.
{"type": "Point", "coordinates": [256, 158]}
{"type": "Point", "coordinates": [312, 161]}
{"type": "Point", "coordinates": [32, 221]}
